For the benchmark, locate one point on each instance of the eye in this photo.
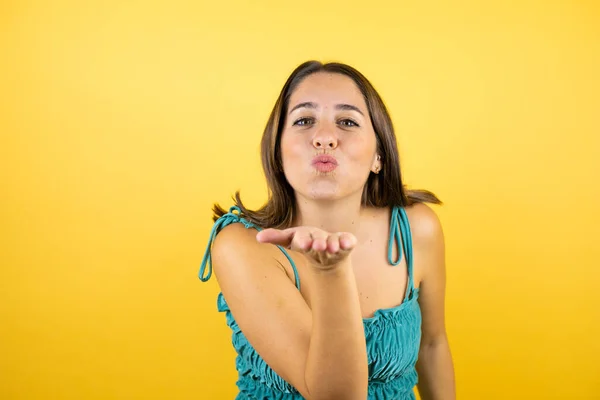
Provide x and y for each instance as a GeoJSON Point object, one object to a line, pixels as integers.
{"type": "Point", "coordinates": [347, 123]}
{"type": "Point", "coordinates": [304, 121]}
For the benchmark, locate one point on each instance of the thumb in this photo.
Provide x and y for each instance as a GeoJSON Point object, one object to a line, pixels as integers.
{"type": "Point", "coordinates": [276, 236]}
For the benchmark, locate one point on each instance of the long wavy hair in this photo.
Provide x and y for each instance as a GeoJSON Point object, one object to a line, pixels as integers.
{"type": "Point", "coordinates": [384, 189]}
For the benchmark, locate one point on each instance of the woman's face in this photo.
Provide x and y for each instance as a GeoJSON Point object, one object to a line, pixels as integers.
{"type": "Point", "coordinates": [328, 145]}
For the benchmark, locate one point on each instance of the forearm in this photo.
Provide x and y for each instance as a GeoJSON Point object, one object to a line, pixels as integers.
{"type": "Point", "coordinates": [336, 366]}
{"type": "Point", "coordinates": [436, 372]}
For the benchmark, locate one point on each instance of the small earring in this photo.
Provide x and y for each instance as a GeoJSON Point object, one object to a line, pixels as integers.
{"type": "Point", "coordinates": [377, 168]}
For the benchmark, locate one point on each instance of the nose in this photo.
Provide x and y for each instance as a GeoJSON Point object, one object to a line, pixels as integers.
{"type": "Point", "coordinates": [325, 139]}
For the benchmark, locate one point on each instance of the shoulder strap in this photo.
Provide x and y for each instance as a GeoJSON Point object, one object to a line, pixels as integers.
{"type": "Point", "coordinates": [400, 236]}
{"type": "Point", "coordinates": [233, 216]}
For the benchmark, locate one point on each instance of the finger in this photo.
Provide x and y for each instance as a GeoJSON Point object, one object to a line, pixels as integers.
{"type": "Point", "coordinates": [276, 236]}
{"type": "Point", "coordinates": [302, 241]}
{"type": "Point", "coordinates": [333, 243]}
{"type": "Point", "coordinates": [319, 240]}
{"type": "Point", "coordinates": [347, 241]}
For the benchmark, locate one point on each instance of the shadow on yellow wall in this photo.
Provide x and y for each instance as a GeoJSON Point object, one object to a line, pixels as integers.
{"type": "Point", "coordinates": [122, 122]}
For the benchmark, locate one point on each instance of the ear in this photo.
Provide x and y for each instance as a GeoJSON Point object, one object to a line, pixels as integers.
{"type": "Point", "coordinates": [376, 167]}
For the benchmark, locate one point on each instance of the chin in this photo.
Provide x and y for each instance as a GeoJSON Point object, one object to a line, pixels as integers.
{"type": "Point", "coordinates": [323, 191]}
{"type": "Point", "coordinates": [320, 196]}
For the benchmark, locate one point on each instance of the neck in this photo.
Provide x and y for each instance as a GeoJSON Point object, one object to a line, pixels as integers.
{"type": "Point", "coordinates": [342, 215]}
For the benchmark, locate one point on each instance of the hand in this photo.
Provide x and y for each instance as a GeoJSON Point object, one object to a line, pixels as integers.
{"type": "Point", "coordinates": [325, 250]}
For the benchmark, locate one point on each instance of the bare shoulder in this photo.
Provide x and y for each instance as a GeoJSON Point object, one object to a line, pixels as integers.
{"type": "Point", "coordinates": [428, 248]}
{"type": "Point", "coordinates": [232, 240]}
{"type": "Point", "coordinates": [425, 225]}
{"type": "Point", "coordinates": [234, 245]}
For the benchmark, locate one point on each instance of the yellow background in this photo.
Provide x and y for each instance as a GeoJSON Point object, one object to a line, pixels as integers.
{"type": "Point", "coordinates": [122, 122]}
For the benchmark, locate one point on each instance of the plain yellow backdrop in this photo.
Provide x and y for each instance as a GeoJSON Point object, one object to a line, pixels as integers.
{"type": "Point", "coordinates": [123, 121]}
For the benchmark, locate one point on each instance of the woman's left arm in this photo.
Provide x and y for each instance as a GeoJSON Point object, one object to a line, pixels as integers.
{"type": "Point", "coordinates": [435, 367]}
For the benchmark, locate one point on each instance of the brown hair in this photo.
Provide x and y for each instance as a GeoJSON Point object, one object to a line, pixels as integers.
{"type": "Point", "coordinates": [384, 189]}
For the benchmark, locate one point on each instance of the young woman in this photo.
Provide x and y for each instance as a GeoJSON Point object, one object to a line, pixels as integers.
{"type": "Point", "coordinates": [335, 288]}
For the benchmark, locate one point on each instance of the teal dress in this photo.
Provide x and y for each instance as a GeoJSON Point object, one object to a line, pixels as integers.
{"type": "Point", "coordinates": [393, 335]}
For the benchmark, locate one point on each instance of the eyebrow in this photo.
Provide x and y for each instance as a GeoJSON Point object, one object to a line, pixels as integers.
{"type": "Point", "coordinates": [310, 104]}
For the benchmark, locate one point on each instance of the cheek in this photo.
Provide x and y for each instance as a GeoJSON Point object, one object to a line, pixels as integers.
{"type": "Point", "coordinates": [362, 150]}
{"type": "Point", "coordinates": [292, 150]}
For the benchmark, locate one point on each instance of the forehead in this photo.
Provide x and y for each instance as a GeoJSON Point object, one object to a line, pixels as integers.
{"type": "Point", "coordinates": [327, 89]}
